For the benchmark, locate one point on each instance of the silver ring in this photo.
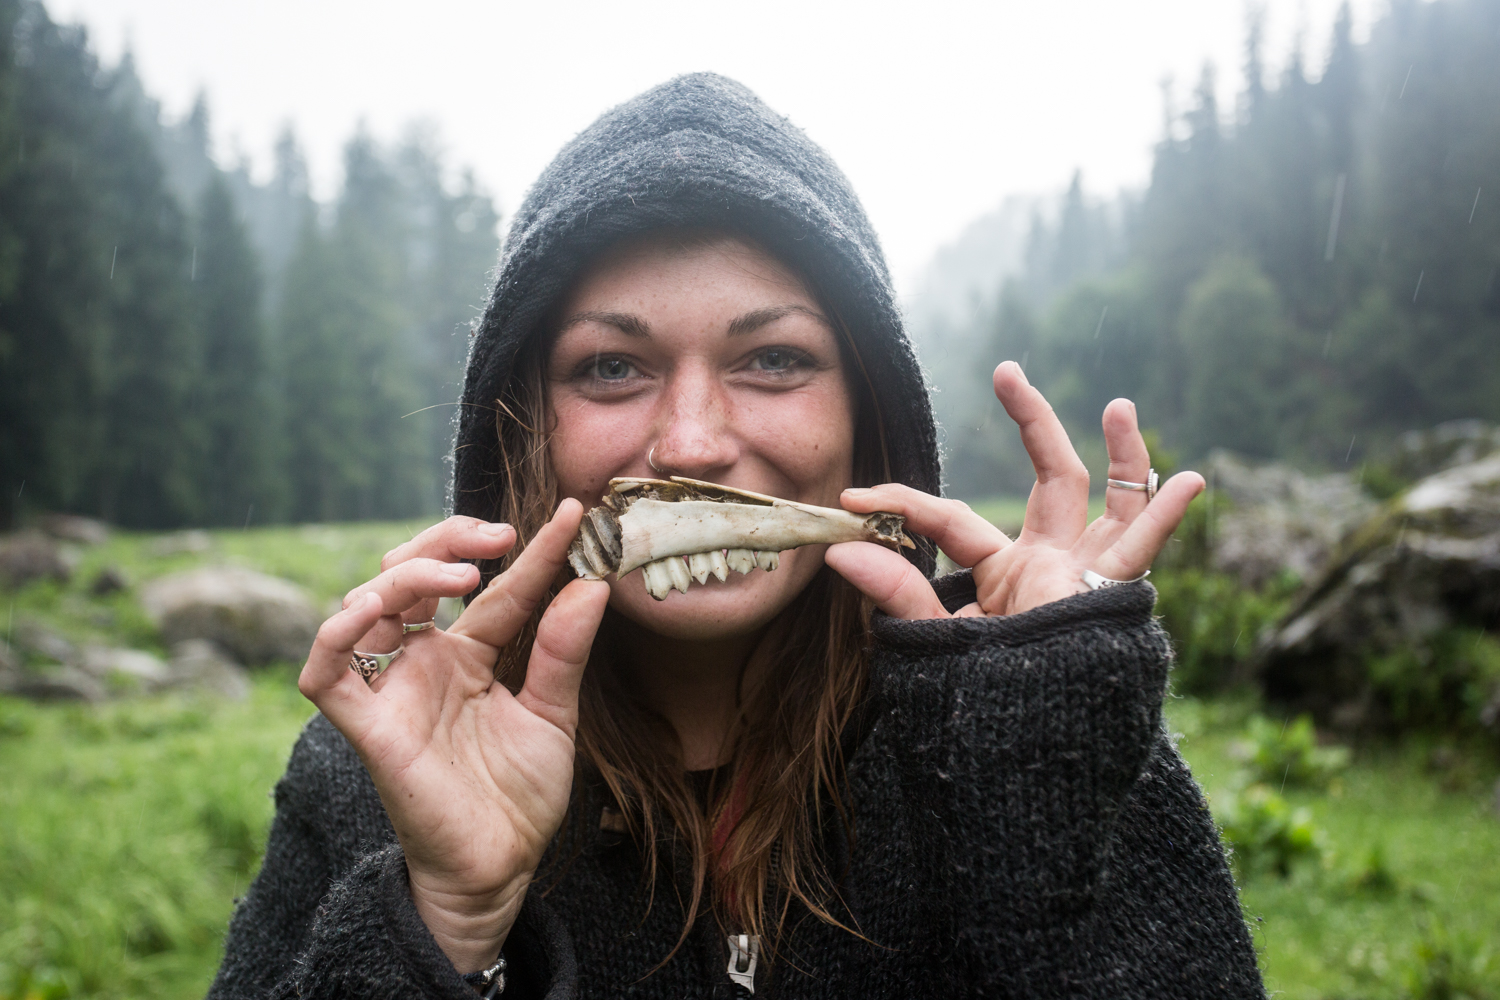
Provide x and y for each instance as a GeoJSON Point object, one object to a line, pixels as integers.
{"type": "Point", "coordinates": [1094, 581]}
{"type": "Point", "coordinates": [372, 665]}
{"type": "Point", "coordinates": [649, 459]}
{"type": "Point", "coordinates": [418, 627]}
{"type": "Point", "coordinates": [1148, 487]}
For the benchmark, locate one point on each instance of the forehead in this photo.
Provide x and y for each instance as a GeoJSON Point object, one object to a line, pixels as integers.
{"type": "Point", "coordinates": [699, 270]}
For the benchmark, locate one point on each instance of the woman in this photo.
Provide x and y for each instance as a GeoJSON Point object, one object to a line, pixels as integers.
{"type": "Point", "coordinates": [761, 785]}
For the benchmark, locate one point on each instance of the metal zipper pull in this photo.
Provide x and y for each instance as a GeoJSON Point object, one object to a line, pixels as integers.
{"type": "Point", "coordinates": [744, 952]}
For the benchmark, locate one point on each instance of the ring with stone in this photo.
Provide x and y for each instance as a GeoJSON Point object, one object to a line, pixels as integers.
{"type": "Point", "coordinates": [1148, 487]}
{"type": "Point", "coordinates": [372, 665]}
{"type": "Point", "coordinates": [417, 627]}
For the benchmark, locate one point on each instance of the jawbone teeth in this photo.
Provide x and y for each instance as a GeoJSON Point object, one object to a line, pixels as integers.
{"type": "Point", "coordinates": [679, 572]}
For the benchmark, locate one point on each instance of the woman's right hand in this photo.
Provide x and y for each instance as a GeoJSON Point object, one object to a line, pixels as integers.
{"type": "Point", "coordinates": [475, 780]}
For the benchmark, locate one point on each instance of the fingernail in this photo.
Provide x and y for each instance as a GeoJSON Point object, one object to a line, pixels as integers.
{"type": "Point", "coordinates": [456, 569]}
{"type": "Point", "coordinates": [494, 530]}
{"type": "Point", "coordinates": [856, 491]}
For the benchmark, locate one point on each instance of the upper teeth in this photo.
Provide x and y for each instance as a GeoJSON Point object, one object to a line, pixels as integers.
{"type": "Point", "coordinates": [678, 572]}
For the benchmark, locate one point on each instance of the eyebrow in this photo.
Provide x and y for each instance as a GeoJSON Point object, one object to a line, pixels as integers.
{"type": "Point", "coordinates": [633, 326]}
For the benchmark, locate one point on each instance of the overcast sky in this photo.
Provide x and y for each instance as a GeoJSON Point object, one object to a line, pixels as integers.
{"type": "Point", "coordinates": [936, 110]}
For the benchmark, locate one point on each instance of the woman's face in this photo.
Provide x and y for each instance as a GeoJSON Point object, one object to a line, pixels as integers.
{"type": "Point", "coordinates": [717, 363]}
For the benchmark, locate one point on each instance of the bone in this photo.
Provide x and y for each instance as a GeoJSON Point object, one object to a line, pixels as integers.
{"type": "Point", "coordinates": [682, 530]}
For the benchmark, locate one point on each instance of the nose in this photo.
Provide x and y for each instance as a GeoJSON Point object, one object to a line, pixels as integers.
{"type": "Point", "coordinates": [695, 437]}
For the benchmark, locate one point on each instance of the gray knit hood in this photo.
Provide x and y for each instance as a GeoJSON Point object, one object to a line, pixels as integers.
{"type": "Point", "coordinates": [697, 151]}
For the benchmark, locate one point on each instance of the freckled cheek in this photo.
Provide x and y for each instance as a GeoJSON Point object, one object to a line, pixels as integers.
{"type": "Point", "coordinates": [590, 444]}
{"type": "Point", "coordinates": [809, 437]}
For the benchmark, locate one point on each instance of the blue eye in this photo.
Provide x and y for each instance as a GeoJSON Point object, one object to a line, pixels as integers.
{"type": "Point", "coordinates": [611, 369]}
{"type": "Point", "coordinates": [777, 360]}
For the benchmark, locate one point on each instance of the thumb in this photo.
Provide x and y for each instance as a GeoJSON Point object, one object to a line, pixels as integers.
{"type": "Point", "coordinates": [561, 651]}
{"type": "Point", "coordinates": [896, 586]}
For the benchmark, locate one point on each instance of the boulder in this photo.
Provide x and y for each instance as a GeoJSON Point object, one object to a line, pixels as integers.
{"type": "Point", "coordinates": [65, 683]}
{"type": "Point", "coordinates": [1422, 571]}
{"type": "Point", "coordinates": [40, 642]}
{"type": "Point", "coordinates": [254, 618]}
{"type": "Point", "coordinates": [30, 555]}
{"type": "Point", "coordinates": [125, 671]}
{"type": "Point", "coordinates": [1269, 519]}
{"type": "Point", "coordinates": [73, 528]}
{"type": "Point", "coordinates": [1419, 454]}
{"type": "Point", "coordinates": [192, 542]}
{"type": "Point", "coordinates": [201, 665]}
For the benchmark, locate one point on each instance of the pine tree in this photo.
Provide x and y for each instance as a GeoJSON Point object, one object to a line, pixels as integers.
{"type": "Point", "coordinates": [241, 477]}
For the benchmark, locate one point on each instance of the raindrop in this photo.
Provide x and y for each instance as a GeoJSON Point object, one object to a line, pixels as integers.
{"type": "Point", "coordinates": [1327, 343]}
{"type": "Point", "coordinates": [1406, 81]}
{"type": "Point", "coordinates": [248, 511]}
{"type": "Point", "coordinates": [1420, 276]}
{"type": "Point", "coordinates": [194, 275]}
{"type": "Point", "coordinates": [1333, 221]}
{"type": "Point", "coordinates": [1476, 205]}
{"type": "Point", "coordinates": [1351, 449]}
{"type": "Point", "coordinates": [113, 257]}
{"type": "Point", "coordinates": [1102, 314]}
{"type": "Point", "coordinates": [1025, 356]}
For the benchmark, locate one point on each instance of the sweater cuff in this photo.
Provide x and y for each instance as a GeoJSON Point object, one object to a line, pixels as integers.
{"type": "Point", "coordinates": [369, 938]}
{"type": "Point", "coordinates": [1122, 607]}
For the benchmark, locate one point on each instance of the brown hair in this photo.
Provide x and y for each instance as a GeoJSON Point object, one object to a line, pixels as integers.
{"type": "Point", "coordinates": [756, 844]}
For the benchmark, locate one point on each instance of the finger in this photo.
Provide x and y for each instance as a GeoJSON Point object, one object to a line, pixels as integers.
{"type": "Point", "coordinates": [953, 526]}
{"type": "Point", "coordinates": [454, 540]}
{"type": "Point", "coordinates": [1130, 462]}
{"type": "Point", "coordinates": [496, 615]}
{"type": "Point", "coordinates": [326, 680]}
{"type": "Point", "coordinates": [896, 586]}
{"type": "Point", "coordinates": [561, 651]}
{"type": "Point", "coordinates": [1058, 509]}
{"type": "Point", "coordinates": [1137, 548]}
{"type": "Point", "coordinates": [416, 580]}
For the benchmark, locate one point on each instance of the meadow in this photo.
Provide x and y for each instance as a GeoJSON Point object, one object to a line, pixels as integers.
{"type": "Point", "coordinates": [128, 829]}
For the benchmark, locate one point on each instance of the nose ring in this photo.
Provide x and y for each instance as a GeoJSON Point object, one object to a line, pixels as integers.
{"type": "Point", "coordinates": [650, 459]}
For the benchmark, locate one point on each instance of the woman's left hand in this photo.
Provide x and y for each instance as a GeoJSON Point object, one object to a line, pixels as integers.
{"type": "Point", "coordinates": [1056, 545]}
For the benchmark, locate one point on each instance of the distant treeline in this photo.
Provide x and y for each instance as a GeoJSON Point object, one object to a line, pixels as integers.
{"type": "Point", "coordinates": [180, 345]}
{"type": "Point", "coordinates": [1304, 278]}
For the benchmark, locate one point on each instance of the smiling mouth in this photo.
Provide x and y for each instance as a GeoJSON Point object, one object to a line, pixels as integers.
{"type": "Point", "coordinates": [681, 531]}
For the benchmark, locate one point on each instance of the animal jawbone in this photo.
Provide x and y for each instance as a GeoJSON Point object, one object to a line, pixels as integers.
{"type": "Point", "coordinates": [681, 531]}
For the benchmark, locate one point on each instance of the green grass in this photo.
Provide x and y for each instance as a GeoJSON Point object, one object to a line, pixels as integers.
{"type": "Point", "coordinates": [1409, 888]}
{"type": "Point", "coordinates": [127, 830]}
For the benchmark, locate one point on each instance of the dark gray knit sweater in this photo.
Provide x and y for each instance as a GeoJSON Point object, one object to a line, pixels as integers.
{"type": "Point", "coordinates": [1024, 828]}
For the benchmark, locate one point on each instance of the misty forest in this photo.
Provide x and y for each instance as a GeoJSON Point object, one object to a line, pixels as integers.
{"type": "Point", "coordinates": [206, 369]}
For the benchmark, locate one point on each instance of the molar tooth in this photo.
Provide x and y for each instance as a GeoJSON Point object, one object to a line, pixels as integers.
{"type": "Point", "coordinates": [700, 565]}
{"type": "Point", "coordinates": [718, 565]}
{"type": "Point", "coordinates": [768, 560]}
{"type": "Point", "coordinates": [740, 560]}
{"type": "Point", "coordinates": [677, 568]}
{"type": "Point", "coordinates": [658, 579]}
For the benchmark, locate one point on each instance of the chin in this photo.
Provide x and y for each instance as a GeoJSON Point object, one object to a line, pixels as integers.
{"type": "Point", "coordinates": [739, 606]}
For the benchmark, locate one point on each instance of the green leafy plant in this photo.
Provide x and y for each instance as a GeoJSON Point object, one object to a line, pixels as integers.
{"type": "Point", "coordinates": [1265, 833]}
{"type": "Point", "coordinates": [1287, 753]}
{"type": "Point", "coordinates": [1448, 965]}
{"type": "Point", "coordinates": [1447, 682]}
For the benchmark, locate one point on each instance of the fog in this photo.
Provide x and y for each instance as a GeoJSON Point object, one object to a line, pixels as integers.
{"type": "Point", "coordinates": [936, 110]}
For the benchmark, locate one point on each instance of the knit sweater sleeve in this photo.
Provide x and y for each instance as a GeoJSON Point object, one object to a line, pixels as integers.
{"type": "Point", "coordinates": [1019, 741]}
{"type": "Point", "coordinates": [330, 913]}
